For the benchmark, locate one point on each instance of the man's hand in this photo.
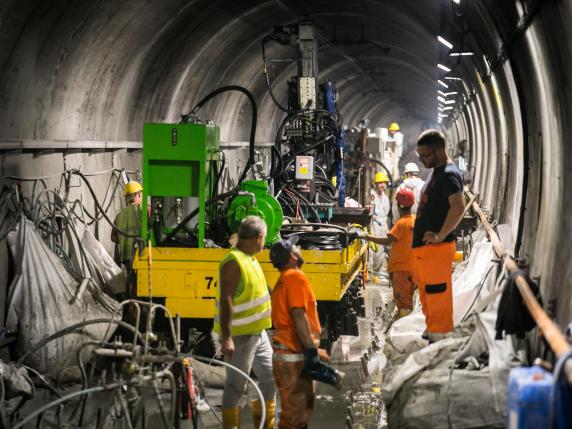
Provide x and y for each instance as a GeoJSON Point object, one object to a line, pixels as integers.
{"type": "Point", "coordinates": [311, 360]}
{"type": "Point", "coordinates": [227, 347]}
{"type": "Point", "coordinates": [431, 237]}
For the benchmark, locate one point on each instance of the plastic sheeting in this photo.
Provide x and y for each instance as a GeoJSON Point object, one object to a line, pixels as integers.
{"type": "Point", "coordinates": [102, 267]}
{"type": "Point", "coordinates": [44, 298]}
{"type": "Point", "coordinates": [457, 382]}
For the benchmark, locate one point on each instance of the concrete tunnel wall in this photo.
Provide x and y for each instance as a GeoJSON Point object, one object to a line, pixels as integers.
{"type": "Point", "coordinates": [97, 70]}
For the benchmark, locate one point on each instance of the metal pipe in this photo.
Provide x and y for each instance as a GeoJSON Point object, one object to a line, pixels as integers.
{"type": "Point", "coordinates": [549, 329]}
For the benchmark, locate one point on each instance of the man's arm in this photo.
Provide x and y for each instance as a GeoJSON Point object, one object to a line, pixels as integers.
{"type": "Point", "coordinates": [302, 327]}
{"type": "Point", "coordinates": [454, 215]}
{"type": "Point", "coordinates": [229, 279]}
{"type": "Point", "coordinates": [384, 241]}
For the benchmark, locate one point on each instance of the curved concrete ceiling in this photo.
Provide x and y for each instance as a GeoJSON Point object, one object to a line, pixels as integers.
{"type": "Point", "coordinates": [99, 69]}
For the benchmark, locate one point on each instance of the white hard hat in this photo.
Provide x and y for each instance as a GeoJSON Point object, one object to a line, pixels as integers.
{"type": "Point", "coordinates": [411, 167]}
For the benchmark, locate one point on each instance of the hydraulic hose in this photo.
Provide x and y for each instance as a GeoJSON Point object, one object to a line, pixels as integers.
{"type": "Point", "coordinates": [71, 329]}
{"type": "Point", "coordinates": [246, 92]}
{"type": "Point", "coordinates": [193, 214]}
{"type": "Point", "coordinates": [58, 401]}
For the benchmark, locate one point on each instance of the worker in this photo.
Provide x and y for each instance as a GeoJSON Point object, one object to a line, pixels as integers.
{"type": "Point", "coordinates": [412, 181]}
{"type": "Point", "coordinates": [243, 314]}
{"type": "Point", "coordinates": [399, 266]}
{"type": "Point", "coordinates": [379, 227]}
{"type": "Point", "coordinates": [297, 327]}
{"type": "Point", "coordinates": [397, 137]}
{"type": "Point", "coordinates": [129, 221]}
{"type": "Point", "coordinates": [440, 210]}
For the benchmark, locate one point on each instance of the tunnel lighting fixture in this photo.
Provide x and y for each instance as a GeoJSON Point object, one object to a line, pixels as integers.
{"type": "Point", "coordinates": [449, 101]}
{"type": "Point", "coordinates": [450, 93]}
{"type": "Point", "coordinates": [443, 84]}
{"type": "Point", "coordinates": [445, 68]}
{"type": "Point", "coordinates": [452, 78]}
{"type": "Point", "coordinates": [441, 99]}
{"type": "Point", "coordinates": [461, 54]}
{"type": "Point", "coordinates": [457, 1]}
{"type": "Point", "coordinates": [445, 42]}
{"type": "Point", "coordinates": [448, 108]}
{"type": "Point", "coordinates": [444, 94]}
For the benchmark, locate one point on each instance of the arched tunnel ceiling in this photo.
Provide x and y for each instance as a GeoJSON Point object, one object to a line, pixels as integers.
{"type": "Point", "coordinates": [100, 69]}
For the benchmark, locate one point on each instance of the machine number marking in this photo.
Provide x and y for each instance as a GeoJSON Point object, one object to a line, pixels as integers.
{"type": "Point", "coordinates": [210, 282]}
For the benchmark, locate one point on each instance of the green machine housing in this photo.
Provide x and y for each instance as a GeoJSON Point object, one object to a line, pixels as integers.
{"type": "Point", "coordinates": [179, 160]}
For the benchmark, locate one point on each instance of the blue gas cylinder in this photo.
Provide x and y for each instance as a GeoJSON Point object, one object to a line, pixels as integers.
{"type": "Point", "coordinates": [529, 391]}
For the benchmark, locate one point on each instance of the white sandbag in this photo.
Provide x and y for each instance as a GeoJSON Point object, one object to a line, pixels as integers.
{"type": "Point", "coordinates": [404, 336]}
{"type": "Point", "coordinates": [102, 266]}
{"type": "Point", "coordinates": [44, 298]}
{"type": "Point", "coordinates": [428, 390]}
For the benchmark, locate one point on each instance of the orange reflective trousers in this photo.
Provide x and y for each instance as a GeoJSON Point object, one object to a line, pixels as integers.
{"type": "Point", "coordinates": [296, 394]}
{"type": "Point", "coordinates": [432, 270]}
{"type": "Point", "coordinates": [403, 289]}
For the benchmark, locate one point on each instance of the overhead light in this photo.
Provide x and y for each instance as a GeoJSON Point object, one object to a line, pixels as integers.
{"type": "Point", "coordinates": [445, 42]}
{"type": "Point", "coordinates": [461, 54]}
{"type": "Point", "coordinates": [442, 67]}
{"type": "Point", "coordinates": [457, 1]}
{"type": "Point", "coordinates": [450, 93]}
{"type": "Point", "coordinates": [443, 84]}
{"type": "Point", "coordinates": [444, 94]}
{"type": "Point", "coordinates": [448, 108]}
{"type": "Point", "coordinates": [450, 101]}
{"type": "Point", "coordinates": [452, 78]}
{"type": "Point", "coordinates": [441, 99]}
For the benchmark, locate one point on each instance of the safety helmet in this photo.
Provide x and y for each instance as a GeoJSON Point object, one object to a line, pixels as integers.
{"type": "Point", "coordinates": [405, 197]}
{"type": "Point", "coordinates": [394, 126]}
{"type": "Point", "coordinates": [380, 177]}
{"type": "Point", "coordinates": [132, 187]}
{"type": "Point", "coordinates": [411, 167]}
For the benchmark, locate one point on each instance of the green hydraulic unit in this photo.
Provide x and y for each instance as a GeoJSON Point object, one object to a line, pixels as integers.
{"type": "Point", "coordinates": [179, 162]}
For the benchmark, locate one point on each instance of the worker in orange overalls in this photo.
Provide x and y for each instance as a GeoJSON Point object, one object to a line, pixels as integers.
{"type": "Point", "coordinates": [440, 209]}
{"type": "Point", "coordinates": [296, 338]}
{"type": "Point", "coordinates": [399, 265]}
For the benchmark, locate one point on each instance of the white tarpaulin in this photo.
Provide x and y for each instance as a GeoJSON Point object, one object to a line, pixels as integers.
{"type": "Point", "coordinates": [44, 298]}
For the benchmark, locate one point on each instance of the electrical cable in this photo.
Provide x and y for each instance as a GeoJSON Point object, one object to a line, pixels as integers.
{"type": "Point", "coordinates": [481, 285]}
{"type": "Point", "coordinates": [243, 374]}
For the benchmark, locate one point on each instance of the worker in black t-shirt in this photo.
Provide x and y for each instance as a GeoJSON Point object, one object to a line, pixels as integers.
{"type": "Point", "coordinates": [440, 209]}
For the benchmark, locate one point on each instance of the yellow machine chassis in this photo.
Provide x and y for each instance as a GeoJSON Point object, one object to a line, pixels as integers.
{"type": "Point", "coordinates": [188, 278]}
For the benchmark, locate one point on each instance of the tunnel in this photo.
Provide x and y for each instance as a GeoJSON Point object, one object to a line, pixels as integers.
{"type": "Point", "coordinates": [79, 79]}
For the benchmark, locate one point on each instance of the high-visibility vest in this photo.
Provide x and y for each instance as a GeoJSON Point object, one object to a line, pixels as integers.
{"type": "Point", "coordinates": [251, 311]}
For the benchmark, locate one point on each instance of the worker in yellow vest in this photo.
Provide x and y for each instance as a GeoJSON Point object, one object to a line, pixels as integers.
{"type": "Point", "coordinates": [243, 314]}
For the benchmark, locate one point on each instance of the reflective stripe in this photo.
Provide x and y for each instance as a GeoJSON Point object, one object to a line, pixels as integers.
{"type": "Point", "coordinates": [288, 357]}
{"type": "Point", "coordinates": [250, 304]}
{"type": "Point", "coordinates": [279, 346]}
{"type": "Point", "coordinates": [250, 319]}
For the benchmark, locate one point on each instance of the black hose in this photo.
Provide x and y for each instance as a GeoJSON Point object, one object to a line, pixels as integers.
{"type": "Point", "coordinates": [195, 212]}
{"type": "Point", "coordinates": [246, 92]}
{"type": "Point", "coordinates": [276, 102]}
{"type": "Point", "coordinates": [71, 329]}
{"type": "Point", "coordinates": [119, 231]}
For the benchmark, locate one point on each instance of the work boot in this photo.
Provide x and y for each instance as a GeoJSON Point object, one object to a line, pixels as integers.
{"type": "Point", "coordinates": [257, 413]}
{"type": "Point", "coordinates": [425, 335]}
{"type": "Point", "coordinates": [376, 280]}
{"type": "Point", "coordinates": [433, 337]}
{"type": "Point", "coordinates": [231, 418]}
{"type": "Point", "coordinates": [403, 312]}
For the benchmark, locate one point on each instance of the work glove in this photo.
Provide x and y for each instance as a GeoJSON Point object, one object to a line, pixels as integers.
{"type": "Point", "coordinates": [311, 361]}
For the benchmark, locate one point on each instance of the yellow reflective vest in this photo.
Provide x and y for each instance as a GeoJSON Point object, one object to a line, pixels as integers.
{"type": "Point", "coordinates": [251, 312]}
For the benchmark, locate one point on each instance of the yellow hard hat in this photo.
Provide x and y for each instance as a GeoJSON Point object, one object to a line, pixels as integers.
{"type": "Point", "coordinates": [132, 187]}
{"type": "Point", "coordinates": [394, 126]}
{"type": "Point", "coordinates": [380, 177]}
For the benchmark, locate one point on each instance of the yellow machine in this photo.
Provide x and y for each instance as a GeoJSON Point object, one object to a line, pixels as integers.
{"type": "Point", "coordinates": [187, 279]}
